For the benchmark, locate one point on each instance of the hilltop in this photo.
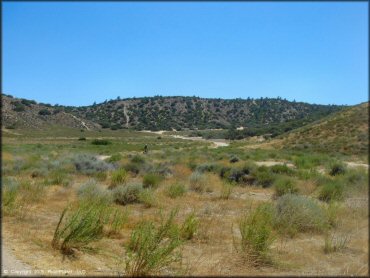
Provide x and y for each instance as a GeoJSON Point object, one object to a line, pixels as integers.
{"type": "Point", "coordinates": [166, 113]}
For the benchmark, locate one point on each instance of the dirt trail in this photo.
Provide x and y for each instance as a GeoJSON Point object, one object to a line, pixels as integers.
{"type": "Point", "coordinates": [354, 164]}
{"type": "Point", "coordinates": [10, 132]}
{"type": "Point", "coordinates": [272, 163]}
{"type": "Point", "coordinates": [81, 121]}
{"type": "Point", "coordinates": [126, 114]}
{"type": "Point", "coordinates": [11, 266]}
{"type": "Point", "coordinates": [217, 143]}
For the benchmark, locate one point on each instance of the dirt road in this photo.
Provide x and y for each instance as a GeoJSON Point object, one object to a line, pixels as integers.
{"type": "Point", "coordinates": [11, 266]}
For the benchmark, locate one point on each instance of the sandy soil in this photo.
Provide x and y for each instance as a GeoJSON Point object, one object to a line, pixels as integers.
{"type": "Point", "coordinates": [11, 266]}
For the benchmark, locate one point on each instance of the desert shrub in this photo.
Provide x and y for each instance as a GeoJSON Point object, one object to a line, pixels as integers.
{"type": "Point", "coordinates": [264, 178]}
{"type": "Point", "coordinates": [100, 176]}
{"type": "Point", "coordinates": [285, 186]}
{"type": "Point", "coordinates": [44, 112]}
{"type": "Point", "coordinates": [331, 191]}
{"type": "Point", "coordinates": [295, 213]}
{"type": "Point", "coordinates": [127, 194]}
{"type": "Point", "coordinates": [226, 190]}
{"type": "Point", "coordinates": [119, 176]}
{"type": "Point", "coordinates": [31, 192]}
{"type": "Point", "coordinates": [151, 180]}
{"type": "Point", "coordinates": [175, 190]}
{"type": "Point", "coordinates": [234, 159]}
{"type": "Point", "coordinates": [91, 191]}
{"type": "Point", "coordinates": [39, 173]}
{"type": "Point", "coordinates": [79, 227]}
{"type": "Point", "coordinates": [257, 234]}
{"type": "Point", "coordinates": [82, 139]}
{"type": "Point", "coordinates": [189, 227]}
{"type": "Point", "coordinates": [241, 175]}
{"type": "Point", "coordinates": [281, 169]}
{"type": "Point", "coordinates": [138, 159]}
{"type": "Point", "coordinates": [114, 158]}
{"type": "Point", "coordinates": [207, 167]}
{"type": "Point", "coordinates": [132, 167]}
{"type": "Point", "coordinates": [152, 248]}
{"type": "Point", "coordinates": [355, 179]}
{"type": "Point", "coordinates": [198, 182]}
{"type": "Point", "coordinates": [147, 197]}
{"type": "Point", "coordinates": [337, 169]}
{"type": "Point", "coordinates": [101, 142]}
{"type": "Point", "coordinates": [89, 164]}
{"type": "Point", "coordinates": [58, 177]}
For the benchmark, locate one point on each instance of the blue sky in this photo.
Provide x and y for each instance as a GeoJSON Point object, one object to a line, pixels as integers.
{"type": "Point", "coordinates": [77, 53]}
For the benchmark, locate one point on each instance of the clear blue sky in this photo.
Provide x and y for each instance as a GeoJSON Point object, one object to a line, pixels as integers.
{"type": "Point", "coordinates": [78, 53]}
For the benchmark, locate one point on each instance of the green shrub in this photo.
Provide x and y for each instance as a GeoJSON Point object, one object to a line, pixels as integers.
{"type": "Point", "coordinates": [151, 248]}
{"type": "Point", "coordinates": [44, 112]}
{"type": "Point", "coordinates": [151, 180]}
{"type": "Point", "coordinates": [337, 169]}
{"type": "Point", "coordinates": [264, 178]}
{"type": "Point", "coordinates": [114, 158]}
{"type": "Point", "coordinates": [175, 190]}
{"type": "Point", "coordinates": [82, 139]}
{"type": "Point", "coordinates": [189, 227]}
{"type": "Point", "coordinates": [58, 177]}
{"type": "Point", "coordinates": [285, 186]}
{"type": "Point", "coordinates": [257, 234]}
{"type": "Point", "coordinates": [295, 213]}
{"type": "Point", "coordinates": [331, 191]}
{"type": "Point", "coordinates": [10, 191]}
{"type": "Point", "coordinates": [100, 176]}
{"type": "Point", "coordinates": [281, 169]}
{"type": "Point", "coordinates": [132, 167]}
{"type": "Point", "coordinates": [147, 197]}
{"type": "Point", "coordinates": [127, 194]}
{"type": "Point", "coordinates": [207, 167]}
{"type": "Point", "coordinates": [198, 182]}
{"type": "Point", "coordinates": [138, 159]}
{"type": "Point", "coordinates": [117, 220]}
{"type": "Point", "coordinates": [234, 159]}
{"type": "Point", "coordinates": [119, 176]}
{"type": "Point", "coordinates": [101, 142]}
{"type": "Point", "coordinates": [79, 227]}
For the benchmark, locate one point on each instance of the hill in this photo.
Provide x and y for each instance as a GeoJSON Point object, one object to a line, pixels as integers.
{"type": "Point", "coordinates": [168, 113]}
{"type": "Point", "coordinates": [345, 132]}
{"type": "Point", "coordinates": [23, 113]}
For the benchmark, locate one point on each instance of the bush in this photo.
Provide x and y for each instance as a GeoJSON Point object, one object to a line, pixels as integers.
{"type": "Point", "coordinates": [331, 191]}
{"type": "Point", "coordinates": [189, 227]}
{"type": "Point", "coordinates": [82, 139]}
{"type": "Point", "coordinates": [10, 190]}
{"type": "Point", "coordinates": [147, 197]}
{"type": "Point", "coordinates": [281, 169]}
{"type": "Point", "coordinates": [234, 159]}
{"type": "Point", "coordinates": [117, 220]}
{"type": "Point", "coordinates": [138, 159]}
{"type": "Point", "coordinates": [133, 168]}
{"type": "Point", "coordinates": [296, 213]}
{"type": "Point", "coordinates": [79, 227]}
{"type": "Point", "coordinates": [175, 190]}
{"type": "Point", "coordinates": [119, 176]}
{"type": "Point", "coordinates": [264, 178]}
{"type": "Point", "coordinates": [285, 186]}
{"type": "Point", "coordinates": [114, 158]}
{"type": "Point", "coordinates": [89, 164]}
{"type": "Point", "coordinates": [44, 112]}
{"type": "Point", "coordinates": [335, 242]}
{"type": "Point", "coordinates": [337, 169]}
{"type": "Point", "coordinates": [127, 194]}
{"type": "Point", "coordinates": [198, 182]}
{"type": "Point", "coordinates": [151, 180]}
{"type": "Point", "coordinates": [91, 191]}
{"type": "Point", "coordinates": [256, 234]}
{"type": "Point", "coordinates": [152, 248]}
{"type": "Point", "coordinates": [207, 167]}
{"type": "Point", "coordinates": [58, 177]}
{"type": "Point", "coordinates": [102, 142]}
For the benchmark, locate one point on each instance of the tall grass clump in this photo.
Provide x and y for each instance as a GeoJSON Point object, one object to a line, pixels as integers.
{"type": "Point", "coordinates": [152, 247]}
{"type": "Point", "coordinates": [295, 213]}
{"type": "Point", "coordinates": [281, 169]}
{"type": "Point", "coordinates": [117, 220]}
{"type": "Point", "coordinates": [189, 227]}
{"type": "Point", "coordinates": [335, 242]}
{"type": "Point", "coordinates": [119, 176]}
{"type": "Point", "coordinates": [226, 190]}
{"type": "Point", "coordinates": [147, 197]}
{"type": "Point", "coordinates": [127, 194]}
{"type": "Point", "coordinates": [151, 180]}
{"type": "Point", "coordinates": [257, 234]}
{"type": "Point", "coordinates": [101, 142]}
{"type": "Point", "coordinates": [331, 191]}
{"type": "Point", "coordinates": [198, 182]}
{"type": "Point", "coordinates": [285, 186]}
{"type": "Point", "coordinates": [114, 158]}
{"type": "Point", "coordinates": [78, 227]}
{"type": "Point", "coordinates": [89, 164]}
{"type": "Point", "coordinates": [207, 167]}
{"type": "Point", "coordinates": [10, 191]}
{"type": "Point", "coordinates": [175, 190]}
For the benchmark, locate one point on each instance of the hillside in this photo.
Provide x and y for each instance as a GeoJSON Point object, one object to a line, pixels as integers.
{"type": "Point", "coordinates": [346, 132]}
{"type": "Point", "coordinates": [22, 113]}
{"type": "Point", "coordinates": [168, 113]}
